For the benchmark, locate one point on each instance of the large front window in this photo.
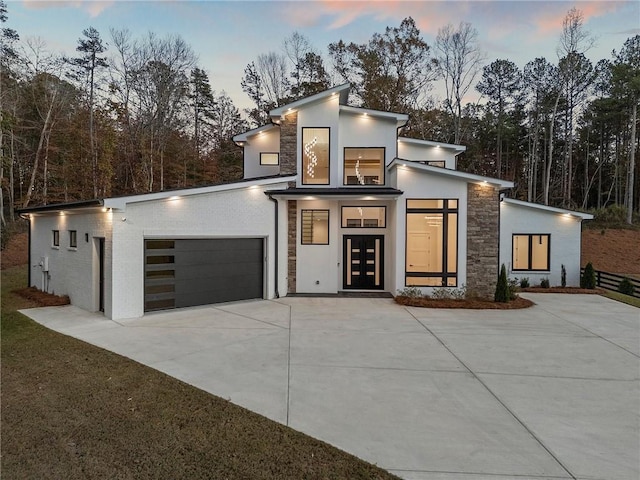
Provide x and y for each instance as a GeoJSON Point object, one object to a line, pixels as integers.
{"type": "Point", "coordinates": [531, 252]}
{"type": "Point", "coordinates": [363, 166]}
{"type": "Point", "coordinates": [431, 242]}
{"type": "Point", "coordinates": [315, 156]}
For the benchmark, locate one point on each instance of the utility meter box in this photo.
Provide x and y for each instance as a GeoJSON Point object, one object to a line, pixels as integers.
{"type": "Point", "coordinates": [44, 264]}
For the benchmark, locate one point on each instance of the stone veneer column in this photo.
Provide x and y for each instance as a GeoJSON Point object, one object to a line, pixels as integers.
{"type": "Point", "coordinates": [289, 144]}
{"type": "Point", "coordinates": [483, 236]}
{"type": "Point", "coordinates": [292, 207]}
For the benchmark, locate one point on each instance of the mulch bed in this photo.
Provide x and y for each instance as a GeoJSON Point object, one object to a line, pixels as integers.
{"type": "Point", "coordinates": [475, 304]}
{"type": "Point", "coordinates": [589, 291]}
{"type": "Point", "coordinates": [43, 299]}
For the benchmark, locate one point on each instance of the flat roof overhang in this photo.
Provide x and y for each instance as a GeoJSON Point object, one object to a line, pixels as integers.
{"type": "Point", "coordinates": [344, 193]}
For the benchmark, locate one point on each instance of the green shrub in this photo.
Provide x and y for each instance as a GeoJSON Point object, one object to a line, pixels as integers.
{"type": "Point", "coordinates": [626, 287]}
{"type": "Point", "coordinates": [411, 292]}
{"type": "Point", "coordinates": [502, 288]}
{"type": "Point", "coordinates": [588, 279]}
{"type": "Point", "coordinates": [524, 282]}
{"type": "Point", "coordinates": [443, 293]}
{"type": "Point", "coordinates": [513, 288]}
{"type": "Point", "coordinates": [563, 276]}
{"type": "Point", "coordinates": [544, 283]}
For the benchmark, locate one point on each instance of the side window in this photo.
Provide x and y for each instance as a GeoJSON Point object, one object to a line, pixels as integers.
{"type": "Point", "coordinates": [73, 239]}
{"type": "Point", "coordinates": [55, 241]}
{"type": "Point", "coordinates": [531, 252]}
{"type": "Point", "coordinates": [315, 227]}
{"type": "Point", "coordinates": [269, 158]}
{"type": "Point", "coordinates": [364, 217]}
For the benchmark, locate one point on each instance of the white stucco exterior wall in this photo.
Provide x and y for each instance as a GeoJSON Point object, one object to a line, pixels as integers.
{"type": "Point", "coordinates": [417, 185]}
{"type": "Point", "coordinates": [72, 271]}
{"type": "Point", "coordinates": [416, 152]}
{"type": "Point", "coordinates": [359, 130]}
{"type": "Point", "coordinates": [239, 212]}
{"type": "Point", "coordinates": [565, 231]}
{"type": "Point", "coordinates": [267, 141]}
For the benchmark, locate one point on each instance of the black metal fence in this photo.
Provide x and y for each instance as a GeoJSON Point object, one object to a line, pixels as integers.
{"type": "Point", "coordinates": [611, 281]}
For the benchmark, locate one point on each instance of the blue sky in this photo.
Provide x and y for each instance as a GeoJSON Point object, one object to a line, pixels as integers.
{"type": "Point", "coordinates": [227, 35]}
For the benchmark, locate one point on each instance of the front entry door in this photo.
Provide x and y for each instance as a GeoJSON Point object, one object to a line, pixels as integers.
{"type": "Point", "coordinates": [363, 262]}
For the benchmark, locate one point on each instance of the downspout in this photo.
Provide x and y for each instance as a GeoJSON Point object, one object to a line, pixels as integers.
{"type": "Point", "coordinates": [275, 203]}
{"type": "Point", "coordinates": [28, 219]}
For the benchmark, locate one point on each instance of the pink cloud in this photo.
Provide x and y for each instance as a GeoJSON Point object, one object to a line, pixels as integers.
{"type": "Point", "coordinates": [92, 7]}
{"type": "Point", "coordinates": [549, 20]}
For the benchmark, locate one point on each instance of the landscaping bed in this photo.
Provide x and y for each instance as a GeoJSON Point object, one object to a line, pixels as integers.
{"type": "Point", "coordinates": [43, 299]}
{"type": "Point", "coordinates": [475, 304]}
{"type": "Point", "coordinates": [588, 291]}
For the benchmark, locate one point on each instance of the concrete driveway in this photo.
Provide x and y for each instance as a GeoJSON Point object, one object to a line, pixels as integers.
{"type": "Point", "coordinates": [548, 392]}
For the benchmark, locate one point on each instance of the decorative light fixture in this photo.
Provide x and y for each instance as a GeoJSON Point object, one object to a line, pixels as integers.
{"type": "Point", "coordinates": [311, 155]}
{"type": "Point", "coordinates": [358, 175]}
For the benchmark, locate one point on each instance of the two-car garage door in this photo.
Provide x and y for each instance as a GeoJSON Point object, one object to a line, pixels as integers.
{"type": "Point", "coordinates": [189, 272]}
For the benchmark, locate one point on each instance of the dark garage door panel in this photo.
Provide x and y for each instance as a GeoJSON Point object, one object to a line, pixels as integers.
{"type": "Point", "coordinates": [208, 271]}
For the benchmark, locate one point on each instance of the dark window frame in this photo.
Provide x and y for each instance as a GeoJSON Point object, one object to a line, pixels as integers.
{"type": "Point", "coordinates": [530, 252]}
{"type": "Point", "coordinates": [302, 212]}
{"type": "Point", "coordinates": [73, 239]}
{"type": "Point", "coordinates": [382, 167]}
{"type": "Point", "coordinates": [342, 218]}
{"type": "Point", "coordinates": [270, 164]}
{"type": "Point", "coordinates": [328, 155]}
{"type": "Point", "coordinates": [55, 241]}
{"type": "Point", "coordinates": [445, 211]}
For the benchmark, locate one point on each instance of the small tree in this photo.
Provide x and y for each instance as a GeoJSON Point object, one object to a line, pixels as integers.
{"type": "Point", "coordinates": [626, 287]}
{"type": "Point", "coordinates": [588, 279]}
{"type": "Point", "coordinates": [502, 288]}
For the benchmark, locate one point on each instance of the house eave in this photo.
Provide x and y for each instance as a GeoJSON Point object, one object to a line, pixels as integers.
{"type": "Point", "coordinates": [341, 91]}
{"type": "Point", "coordinates": [449, 146]}
{"type": "Point", "coordinates": [343, 193]}
{"type": "Point", "coordinates": [454, 174]}
{"type": "Point", "coordinates": [547, 208]}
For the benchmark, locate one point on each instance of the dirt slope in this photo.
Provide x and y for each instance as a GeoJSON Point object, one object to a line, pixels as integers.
{"type": "Point", "coordinates": [613, 251]}
{"type": "Point", "coordinates": [16, 251]}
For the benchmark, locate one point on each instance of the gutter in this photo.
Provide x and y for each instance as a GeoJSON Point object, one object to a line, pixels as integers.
{"type": "Point", "coordinates": [275, 203]}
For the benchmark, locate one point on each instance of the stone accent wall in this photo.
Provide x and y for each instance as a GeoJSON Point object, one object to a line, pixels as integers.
{"type": "Point", "coordinates": [288, 144]}
{"type": "Point", "coordinates": [483, 239]}
{"type": "Point", "coordinates": [292, 208]}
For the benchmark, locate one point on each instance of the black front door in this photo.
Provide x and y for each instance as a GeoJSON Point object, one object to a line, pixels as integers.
{"type": "Point", "coordinates": [363, 262]}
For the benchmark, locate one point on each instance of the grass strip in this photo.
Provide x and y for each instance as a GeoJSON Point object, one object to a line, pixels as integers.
{"type": "Point", "coordinates": [72, 410]}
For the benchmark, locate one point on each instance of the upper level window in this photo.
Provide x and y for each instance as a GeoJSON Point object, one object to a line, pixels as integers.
{"type": "Point", "coordinates": [269, 158]}
{"type": "Point", "coordinates": [315, 156]}
{"type": "Point", "coordinates": [363, 166]}
{"type": "Point", "coordinates": [56, 238]}
{"type": "Point", "coordinates": [73, 239]}
{"type": "Point", "coordinates": [531, 252]}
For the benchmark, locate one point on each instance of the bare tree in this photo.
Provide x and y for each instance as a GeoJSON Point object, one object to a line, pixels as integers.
{"type": "Point", "coordinates": [458, 60]}
{"type": "Point", "coordinates": [574, 40]}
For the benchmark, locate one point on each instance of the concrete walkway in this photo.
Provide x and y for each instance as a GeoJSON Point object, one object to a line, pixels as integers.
{"type": "Point", "coordinates": [550, 392]}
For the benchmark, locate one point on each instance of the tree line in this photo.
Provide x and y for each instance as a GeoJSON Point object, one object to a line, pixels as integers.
{"type": "Point", "coordinates": [138, 114]}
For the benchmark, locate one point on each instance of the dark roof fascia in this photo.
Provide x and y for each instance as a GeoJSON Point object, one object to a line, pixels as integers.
{"type": "Point", "coordinates": [62, 206]}
{"type": "Point", "coordinates": [335, 191]}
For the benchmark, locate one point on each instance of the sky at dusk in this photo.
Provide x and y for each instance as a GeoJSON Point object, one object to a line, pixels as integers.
{"type": "Point", "coordinates": [227, 35]}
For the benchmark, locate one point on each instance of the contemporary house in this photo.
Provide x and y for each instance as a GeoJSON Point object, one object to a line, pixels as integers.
{"type": "Point", "coordinates": [334, 199]}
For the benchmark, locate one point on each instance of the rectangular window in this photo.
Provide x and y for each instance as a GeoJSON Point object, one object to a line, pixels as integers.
{"type": "Point", "coordinates": [364, 217]}
{"type": "Point", "coordinates": [432, 243]}
{"type": "Point", "coordinates": [73, 239]}
{"type": "Point", "coordinates": [315, 156]}
{"type": "Point", "coordinates": [531, 252]}
{"type": "Point", "coordinates": [363, 166]}
{"type": "Point", "coordinates": [269, 159]}
{"type": "Point", "coordinates": [56, 238]}
{"type": "Point", "coordinates": [315, 227]}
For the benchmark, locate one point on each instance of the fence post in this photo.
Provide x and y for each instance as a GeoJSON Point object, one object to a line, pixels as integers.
{"type": "Point", "coordinates": [598, 278]}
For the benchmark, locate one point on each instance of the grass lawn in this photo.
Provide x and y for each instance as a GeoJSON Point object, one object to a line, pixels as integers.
{"type": "Point", "coordinates": [71, 410]}
{"type": "Point", "coordinates": [621, 297]}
